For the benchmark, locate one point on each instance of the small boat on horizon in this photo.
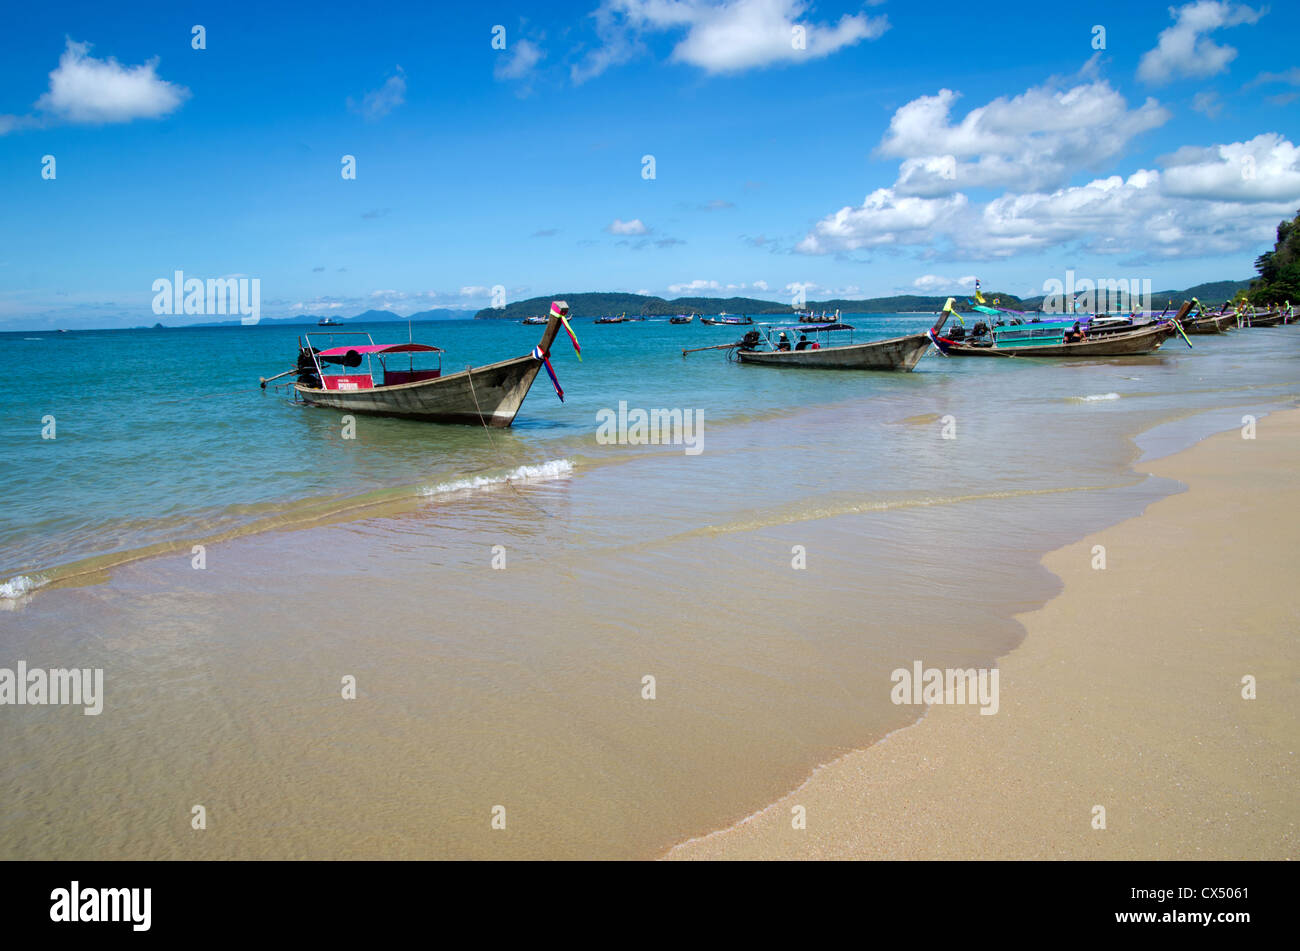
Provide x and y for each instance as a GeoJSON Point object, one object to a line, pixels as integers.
{"type": "Point", "coordinates": [681, 319]}
{"type": "Point", "coordinates": [328, 322]}
{"type": "Point", "coordinates": [534, 321]}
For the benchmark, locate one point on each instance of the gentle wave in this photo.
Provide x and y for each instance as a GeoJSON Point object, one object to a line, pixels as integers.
{"type": "Point", "coordinates": [555, 469]}
{"type": "Point", "coordinates": [18, 586]}
{"type": "Point", "coordinates": [1095, 397]}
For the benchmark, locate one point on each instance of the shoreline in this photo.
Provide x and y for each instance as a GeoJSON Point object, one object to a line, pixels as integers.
{"type": "Point", "coordinates": [764, 712]}
{"type": "Point", "coordinates": [1125, 693]}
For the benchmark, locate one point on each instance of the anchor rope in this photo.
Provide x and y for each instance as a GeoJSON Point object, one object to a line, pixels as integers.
{"type": "Point", "coordinates": [469, 375]}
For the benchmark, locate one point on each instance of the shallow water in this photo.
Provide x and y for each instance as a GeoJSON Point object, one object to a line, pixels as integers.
{"type": "Point", "coordinates": [522, 686]}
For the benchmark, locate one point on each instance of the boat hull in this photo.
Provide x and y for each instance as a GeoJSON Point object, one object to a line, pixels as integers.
{"type": "Point", "coordinates": [896, 353]}
{"type": "Point", "coordinates": [1210, 324]}
{"type": "Point", "coordinates": [1269, 320]}
{"type": "Point", "coordinates": [481, 396]}
{"type": "Point", "coordinates": [489, 395]}
{"type": "Point", "coordinates": [1121, 344]}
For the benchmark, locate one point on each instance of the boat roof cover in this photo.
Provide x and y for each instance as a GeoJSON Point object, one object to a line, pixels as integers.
{"type": "Point", "coordinates": [381, 348]}
{"type": "Point", "coordinates": [803, 328]}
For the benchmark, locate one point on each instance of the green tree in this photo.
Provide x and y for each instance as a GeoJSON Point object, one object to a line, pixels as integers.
{"type": "Point", "coordinates": [1279, 269]}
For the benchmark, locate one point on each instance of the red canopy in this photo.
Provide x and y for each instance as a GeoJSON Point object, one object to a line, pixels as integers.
{"type": "Point", "coordinates": [381, 348]}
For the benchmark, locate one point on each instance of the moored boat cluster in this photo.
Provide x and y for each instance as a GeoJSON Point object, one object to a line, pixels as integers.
{"type": "Point", "coordinates": [491, 395]}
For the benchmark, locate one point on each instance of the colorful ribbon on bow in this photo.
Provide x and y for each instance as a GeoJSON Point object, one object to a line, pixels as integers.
{"type": "Point", "coordinates": [546, 362]}
{"type": "Point", "coordinates": [560, 309]}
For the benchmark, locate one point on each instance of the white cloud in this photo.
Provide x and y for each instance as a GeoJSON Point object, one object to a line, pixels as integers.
{"type": "Point", "coordinates": [694, 287]}
{"type": "Point", "coordinates": [1220, 200]}
{"type": "Point", "coordinates": [1264, 169]}
{"type": "Point", "coordinates": [85, 89]}
{"type": "Point", "coordinates": [633, 227]}
{"type": "Point", "coordinates": [1289, 76]}
{"type": "Point", "coordinates": [1196, 202]}
{"type": "Point", "coordinates": [1207, 101]}
{"type": "Point", "coordinates": [1032, 141]}
{"type": "Point", "coordinates": [1184, 50]}
{"type": "Point", "coordinates": [519, 61]}
{"type": "Point", "coordinates": [934, 283]}
{"type": "Point", "coordinates": [721, 37]}
{"type": "Point", "coordinates": [380, 102]}
{"type": "Point", "coordinates": [701, 286]}
{"type": "Point", "coordinates": [884, 217]}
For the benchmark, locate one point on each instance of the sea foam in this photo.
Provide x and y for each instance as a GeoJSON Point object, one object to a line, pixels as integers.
{"type": "Point", "coordinates": [555, 469]}
{"type": "Point", "coordinates": [1097, 396]}
{"type": "Point", "coordinates": [18, 586]}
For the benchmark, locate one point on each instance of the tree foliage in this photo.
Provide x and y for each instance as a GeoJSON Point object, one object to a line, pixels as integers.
{"type": "Point", "coordinates": [1279, 269]}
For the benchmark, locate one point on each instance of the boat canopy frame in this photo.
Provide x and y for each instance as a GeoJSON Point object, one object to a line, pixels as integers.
{"type": "Point", "coordinates": [368, 350]}
{"type": "Point", "coordinates": [771, 333]}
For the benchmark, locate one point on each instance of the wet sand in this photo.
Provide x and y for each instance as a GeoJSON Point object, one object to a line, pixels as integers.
{"type": "Point", "coordinates": [1126, 693]}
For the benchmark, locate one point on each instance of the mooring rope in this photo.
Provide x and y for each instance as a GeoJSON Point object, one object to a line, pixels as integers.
{"type": "Point", "coordinates": [469, 375]}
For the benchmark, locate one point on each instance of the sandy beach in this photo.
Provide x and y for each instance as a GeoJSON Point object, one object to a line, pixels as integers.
{"type": "Point", "coordinates": [1127, 693]}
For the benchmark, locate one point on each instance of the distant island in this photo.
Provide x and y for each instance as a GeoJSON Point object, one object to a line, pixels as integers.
{"type": "Point", "coordinates": [600, 304]}
{"type": "Point", "coordinates": [365, 317]}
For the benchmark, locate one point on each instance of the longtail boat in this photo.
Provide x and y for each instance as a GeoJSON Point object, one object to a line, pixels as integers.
{"type": "Point", "coordinates": [1272, 318]}
{"type": "Point", "coordinates": [489, 395]}
{"type": "Point", "coordinates": [727, 321]}
{"type": "Point", "coordinates": [771, 346]}
{"type": "Point", "coordinates": [1056, 338]}
{"type": "Point", "coordinates": [1204, 323]}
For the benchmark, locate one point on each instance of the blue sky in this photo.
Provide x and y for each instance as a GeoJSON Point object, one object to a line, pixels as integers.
{"type": "Point", "coordinates": [843, 166]}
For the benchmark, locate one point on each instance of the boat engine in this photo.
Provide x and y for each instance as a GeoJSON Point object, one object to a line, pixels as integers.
{"type": "Point", "coordinates": [307, 375]}
{"type": "Point", "coordinates": [750, 340]}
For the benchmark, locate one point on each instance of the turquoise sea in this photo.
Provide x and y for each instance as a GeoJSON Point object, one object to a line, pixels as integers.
{"type": "Point", "coordinates": [163, 436]}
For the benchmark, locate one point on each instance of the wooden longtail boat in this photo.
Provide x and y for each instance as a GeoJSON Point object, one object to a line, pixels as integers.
{"type": "Point", "coordinates": [1273, 318]}
{"type": "Point", "coordinates": [1204, 323]}
{"type": "Point", "coordinates": [1210, 323]}
{"type": "Point", "coordinates": [771, 347]}
{"type": "Point", "coordinates": [1059, 338]}
{"type": "Point", "coordinates": [488, 395]}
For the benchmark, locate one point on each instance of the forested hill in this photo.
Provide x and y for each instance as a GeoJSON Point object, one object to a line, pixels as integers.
{"type": "Point", "coordinates": [638, 305]}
